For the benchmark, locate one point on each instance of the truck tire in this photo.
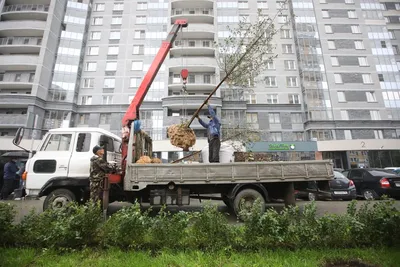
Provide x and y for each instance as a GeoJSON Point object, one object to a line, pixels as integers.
{"type": "Point", "coordinates": [249, 196]}
{"type": "Point", "coordinates": [58, 199]}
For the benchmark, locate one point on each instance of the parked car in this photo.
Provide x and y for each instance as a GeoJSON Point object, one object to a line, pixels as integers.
{"type": "Point", "coordinates": [396, 170]}
{"type": "Point", "coordinates": [374, 183]}
{"type": "Point", "coordinates": [339, 188]}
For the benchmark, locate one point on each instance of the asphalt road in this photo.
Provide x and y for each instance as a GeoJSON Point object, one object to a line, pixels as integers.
{"type": "Point", "coordinates": [23, 207]}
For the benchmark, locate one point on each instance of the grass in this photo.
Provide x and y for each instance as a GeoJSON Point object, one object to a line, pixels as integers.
{"type": "Point", "coordinates": [114, 257]}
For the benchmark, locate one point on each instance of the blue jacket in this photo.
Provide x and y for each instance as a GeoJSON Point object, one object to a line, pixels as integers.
{"type": "Point", "coordinates": [214, 125]}
{"type": "Point", "coordinates": [10, 170]}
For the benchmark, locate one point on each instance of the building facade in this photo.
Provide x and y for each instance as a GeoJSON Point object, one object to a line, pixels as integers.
{"type": "Point", "coordinates": [335, 80]}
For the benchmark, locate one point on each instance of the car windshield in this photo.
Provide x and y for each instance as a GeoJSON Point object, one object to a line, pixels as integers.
{"type": "Point", "coordinates": [339, 175]}
{"type": "Point", "coordinates": [381, 172]}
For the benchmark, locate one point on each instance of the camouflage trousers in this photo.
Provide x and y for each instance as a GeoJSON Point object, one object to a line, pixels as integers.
{"type": "Point", "coordinates": [96, 188]}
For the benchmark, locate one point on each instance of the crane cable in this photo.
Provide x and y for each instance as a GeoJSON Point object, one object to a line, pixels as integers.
{"type": "Point", "coordinates": [184, 91]}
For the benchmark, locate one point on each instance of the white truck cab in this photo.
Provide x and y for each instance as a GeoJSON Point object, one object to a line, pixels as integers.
{"type": "Point", "coordinates": [62, 162]}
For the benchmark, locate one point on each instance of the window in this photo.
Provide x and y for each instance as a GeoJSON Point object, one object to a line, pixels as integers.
{"type": "Point", "coordinates": [359, 45]}
{"type": "Point", "coordinates": [138, 50]}
{"type": "Point", "coordinates": [252, 118]}
{"type": "Point", "coordinates": [137, 65]}
{"type": "Point", "coordinates": [113, 50]}
{"type": "Point", "coordinates": [31, 77]}
{"type": "Point", "coordinates": [338, 78]}
{"type": "Point", "coordinates": [99, 7]}
{"type": "Point", "coordinates": [355, 29]}
{"type": "Point", "coordinates": [243, 4]}
{"type": "Point", "coordinates": [1, 77]}
{"type": "Point", "coordinates": [83, 143]}
{"type": "Point", "coordinates": [285, 34]}
{"type": "Point", "coordinates": [349, 1]}
{"type": "Point", "coordinates": [251, 99]}
{"type": "Point", "coordinates": [294, 99]}
{"type": "Point", "coordinates": [367, 79]}
{"type": "Point", "coordinates": [95, 35]}
{"type": "Point", "coordinates": [345, 115]}
{"type": "Point", "coordinates": [347, 135]}
{"type": "Point", "coordinates": [262, 5]}
{"type": "Point", "coordinates": [90, 66]}
{"type": "Point", "coordinates": [362, 61]}
{"type": "Point", "coordinates": [45, 165]}
{"type": "Point", "coordinates": [276, 137]}
{"type": "Point", "coordinates": [341, 96]}
{"type": "Point", "coordinates": [270, 65]}
{"type": "Point", "coordinates": [207, 78]}
{"type": "Point", "coordinates": [270, 81]}
{"type": "Point", "coordinates": [287, 49]}
{"type": "Point", "coordinates": [109, 83]}
{"type": "Point", "coordinates": [328, 29]}
{"type": "Point", "coordinates": [383, 44]}
{"type": "Point", "coordinates": [141, 6]}
{"type": "Point", "coordinates": [58, 142]}
{"type": "Point", "coordinates": [141, 19]}
{"type": "Point", "coordinates": [375, 115]}
{"type": "Point", "coordinates": [378, 134]}
{"type": "Point", "coordinates": [282, 19]}
{"type": "Point", "coordinates": [107, 99]}
{"type": "Point", "coordinates": [352, 14]}
{"type": "Point", "coordinates": [206, 44]}
{"type": "Point", "coordinates": [115, 35]}
{"type": "Point", "coordinates": [381, 79]}
{"type": "Point", "coordinates": [325, 14]}
{"type": "Point", "coordinates": [86, 100]}
{"type": "Point", "coordinates": [97, 21]}
{"type": "Point", "coordinates": [17, 77]}
{"type": "Point", "coordinates": [272, 99]}
{"type": "Point", "coordinates": [88, 82]}
{"type": "Point", "coordinates": [334, 61]}
{"type": "Point", "coordinates": [105, 118]}
{"type": "Point", "coordinates": [370, 96]}
{"type": "Point", "coordinates": [134, 82]}
{"type": "Point", "coordinates": [111, 66]}
{"type": "Point", "coordinates": [290, 65]}
{"type": "Point", "coordinates": [140, 34]}
{"type": "Point", "coordinates": [116, 20]}
{"type": "Point", "coordinates": [93, 50]}
{"type": "Point", "coordinates": [291, 81]}
{"type": "Point", "coordinates": [296, 118]}
{"type": "Point", "coordinates": [331, 44]}
{"type": "Point", "coordinates": [118, 7]}
{"type": "Point", "coordinates": [274, 118]}
{"type": "Point", "coordinates": [39, 41]}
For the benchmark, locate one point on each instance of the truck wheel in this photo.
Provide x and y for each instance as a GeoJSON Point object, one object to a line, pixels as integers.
{"type": "Point", "coordinates": [58, 199]}
{"type": "Point", "coordinates": [244, 201]}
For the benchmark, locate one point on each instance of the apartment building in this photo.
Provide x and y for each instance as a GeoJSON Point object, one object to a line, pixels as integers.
{"type": "Point", "coordinates": [79, 63]}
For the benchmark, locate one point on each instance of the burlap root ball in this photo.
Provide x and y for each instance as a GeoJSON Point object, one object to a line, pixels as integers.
{"type": "Point", "coordinates": [156, 160]}
{"type": "Point", "coordinates": [144, 160]}
{"type": "Point", "coordinates": [181, 136]}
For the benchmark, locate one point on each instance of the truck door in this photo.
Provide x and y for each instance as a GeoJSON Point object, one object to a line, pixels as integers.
{"type": "Point", "coordinates": [50, 161]}
{"type": "Point", "coordinates": [79, 164]}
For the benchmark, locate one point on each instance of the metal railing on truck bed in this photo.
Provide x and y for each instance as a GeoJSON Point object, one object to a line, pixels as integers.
{"type": "Point", "coordinates": [138, 176]}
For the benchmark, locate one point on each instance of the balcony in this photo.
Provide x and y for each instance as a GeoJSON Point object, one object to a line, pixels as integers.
{"type": "Point", "coordinates": [190, 4]}
{"type": "Point", "coordinates": [31, 28]}
{"type": "Point", "coordinates": [194, 82]}
{"type": "Point", "coordinates": [18, 62]}
{"type": "Point", "coordinates": [193, 64]}
{"type": "Point", "coordinates": [16, 80]}
{"type": "Point", "coordinates": [193, 48]}
{"type": "Point", "coordinates": [193, 15]}
{"type": "Point", "coordinates": [197, 31]}
{"type": "Point", "coordinates": [20, 45]}
{"type": "Point", "coordinates": [15, 120]}
{"type": "Point", "coordinates": [25, 12]}
{"type": "Point", "coordinates": [189, 101]}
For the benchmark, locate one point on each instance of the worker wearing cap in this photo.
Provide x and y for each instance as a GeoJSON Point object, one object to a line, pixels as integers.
{"type": "Point", "coordinates": [213, 132]}
{"type": "Point", "coordinates": [99, 168]}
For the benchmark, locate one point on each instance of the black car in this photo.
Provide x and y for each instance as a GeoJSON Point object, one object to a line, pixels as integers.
{"type": "Point", "coordinates": [339, 188]}
{"type": "Point", "coordinates": [374, 183]}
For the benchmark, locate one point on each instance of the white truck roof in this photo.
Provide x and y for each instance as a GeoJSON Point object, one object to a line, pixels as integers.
{"type": "Point", "coordinates": [85, 129]}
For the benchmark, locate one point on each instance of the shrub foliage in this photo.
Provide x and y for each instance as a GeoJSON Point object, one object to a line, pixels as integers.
{"type": "Point", "coordinates": [77, 226]}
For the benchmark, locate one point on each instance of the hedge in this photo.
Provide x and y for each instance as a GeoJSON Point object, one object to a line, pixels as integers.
{"type": "Point", "coordinates": [78, 226]}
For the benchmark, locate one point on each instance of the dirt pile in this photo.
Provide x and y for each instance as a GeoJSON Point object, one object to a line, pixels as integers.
{"type": "Point", "coordinates": [181, 136]}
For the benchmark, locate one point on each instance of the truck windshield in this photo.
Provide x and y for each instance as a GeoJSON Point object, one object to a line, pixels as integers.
{"type": "Point", "coordinates": [57, 142]}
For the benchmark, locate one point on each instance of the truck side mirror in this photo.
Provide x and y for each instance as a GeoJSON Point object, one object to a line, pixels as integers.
{"type": "Point", "coordinates": [18, 136]}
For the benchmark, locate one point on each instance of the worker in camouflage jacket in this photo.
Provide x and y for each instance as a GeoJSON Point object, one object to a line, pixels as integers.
{"type": "Point", "coordinates": [99, 168]}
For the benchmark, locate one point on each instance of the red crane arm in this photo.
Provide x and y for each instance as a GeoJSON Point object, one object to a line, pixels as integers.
{"type": "Point", "coordinates": [133, 111]}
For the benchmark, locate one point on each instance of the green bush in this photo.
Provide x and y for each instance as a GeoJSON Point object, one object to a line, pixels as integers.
{"type": "Point", "coordinates": [7, 229]}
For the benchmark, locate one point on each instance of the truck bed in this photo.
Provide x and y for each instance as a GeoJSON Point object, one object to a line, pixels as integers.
{"type": "Point", "coordinates": [138, 176]}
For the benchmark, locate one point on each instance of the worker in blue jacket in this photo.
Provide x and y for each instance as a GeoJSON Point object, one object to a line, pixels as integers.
{"type": "Point", "coordinates": [10, 173]}
{"type": "Point", "coordinates": [213, 132]}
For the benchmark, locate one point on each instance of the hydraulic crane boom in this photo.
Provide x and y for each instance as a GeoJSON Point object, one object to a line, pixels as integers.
{"type": "Point", "coordinates": [132, 113]}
